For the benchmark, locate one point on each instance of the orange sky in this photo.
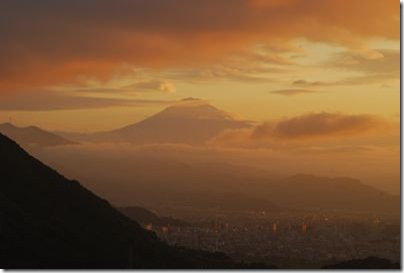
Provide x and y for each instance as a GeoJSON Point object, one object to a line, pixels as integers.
{"type": "Point", "coordinates": [99, 65]}
{"type": "Point", "coordinates": [320, 78]}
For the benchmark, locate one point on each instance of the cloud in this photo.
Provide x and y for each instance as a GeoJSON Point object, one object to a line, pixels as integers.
{"type": "Point", "coordinates": [302, 82]}
{"type": "Point", "coordinates": [318, 125]}
{"type": "Point", "coordinates": [377, 68]}
{"type": "Point", "coordinates": [220, 73]}
{"type": "Point", "coordinates": [259, 65]}
{"type": "Point", "coordinates": [387, 62]}
{"type": "Point", "coordinates": [292, 92]}
{"type": "Point", "coordinates": [379, 79]}
{"type": "Point", "coordinates": [53, 42]}
{"type": "Point", "coordinates": [303, 131]}
{"type": "Point", "coordinates": [191, 99]}
{"type": "Point", "coordinates": [50, 101]}
{"type": "Point", "coordinates": [152, 85]}
{"type": "Point", "coordinates": [348, 149]}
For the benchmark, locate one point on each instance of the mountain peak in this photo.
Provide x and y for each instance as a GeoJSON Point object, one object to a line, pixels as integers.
{"type": "Point", "coordinates": [194, 111]}
{"type": "Point", "coordinates": [188, 122]}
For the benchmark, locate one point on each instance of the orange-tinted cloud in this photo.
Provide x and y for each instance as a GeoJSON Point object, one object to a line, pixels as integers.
{"type": "Point", "coordinates": [388, 61]}
{"type": "Point", "coordinates": [302, 130]}
{"type": "Point", "coordinates": [317, 125]}
{"type": "Point", "coordinates": [382, 67]}
{"type": "Point", "coordinates": [152, 85]}
{"type": "Point", "coordinates": [49, 101]}
{"type": "Point", "coordinates": [292, 92]}
{"type": "Point", "coordinates": [378, 78]}
{"type": "Point", "coordinates": [53, 42]}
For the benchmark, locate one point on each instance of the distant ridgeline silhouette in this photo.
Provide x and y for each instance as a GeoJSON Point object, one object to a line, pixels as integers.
{"type": "Point", "coordinates": [47, 221]}
{"type": "Point", "coordinates": [33, 135]}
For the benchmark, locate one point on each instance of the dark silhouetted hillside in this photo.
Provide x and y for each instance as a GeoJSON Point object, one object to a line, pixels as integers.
{"type": "Point", "coordinates": [47, 221]}
{"type": "Point", "coordinates": [144, 216]}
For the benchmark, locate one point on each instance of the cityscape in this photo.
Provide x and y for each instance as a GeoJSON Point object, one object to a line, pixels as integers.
{"type": "Point", "coordinates": [301, 240]}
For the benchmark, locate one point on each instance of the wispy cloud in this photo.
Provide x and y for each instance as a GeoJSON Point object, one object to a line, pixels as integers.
{"type": "Point", "coordinates": [151, 85]}
{"type": "Point", "coordinates": [378, 79]}
{"type": "Point", "coordinates": [376, 69]}
{"type": "Point", "coordinates": [53, 42]}
{"type": "Point", "coordinates": [50, 101]}
{"type": "Point", "coordinates": [292, 92]}
{"type": "Point", "coordinates": [386, 62]}
{"type": "Point", "coordinates": [303, 82]}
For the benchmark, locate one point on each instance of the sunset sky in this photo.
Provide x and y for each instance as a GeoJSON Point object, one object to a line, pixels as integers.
{"type": "Point", "coordinates": [96, 65]}
{"type": "Point", "coordinates": [319, 80]}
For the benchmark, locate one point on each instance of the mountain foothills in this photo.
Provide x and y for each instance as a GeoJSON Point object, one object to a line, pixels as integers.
{"type": "Point", "coordinates": [48, 221]}
{"type": "Point", "coordinates": [324, 193]}
{"type": "Point", "coordinates": [145, 180]}
{"type": "Point", "coordinates": [33, 135]}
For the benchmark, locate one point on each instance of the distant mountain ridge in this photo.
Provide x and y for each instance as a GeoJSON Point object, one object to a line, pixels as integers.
{"type": "Point", "coordinates": [49, 222]}
{"type": "Point", "coordinates": [149, 181]}
{"type": "Point", "coordinates": [324, 193]}
{"type": "Point", "coordinates": [33, 135]}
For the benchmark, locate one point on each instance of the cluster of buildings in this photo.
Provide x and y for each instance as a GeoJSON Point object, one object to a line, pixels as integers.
{"type": "Point", "coordinates": [309, 238]}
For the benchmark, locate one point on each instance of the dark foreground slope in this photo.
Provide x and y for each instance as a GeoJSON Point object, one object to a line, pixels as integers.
{"type": "Point", "coordinates": [144, 216]}
{"type": "Point", "coordinates": [47, 221]}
